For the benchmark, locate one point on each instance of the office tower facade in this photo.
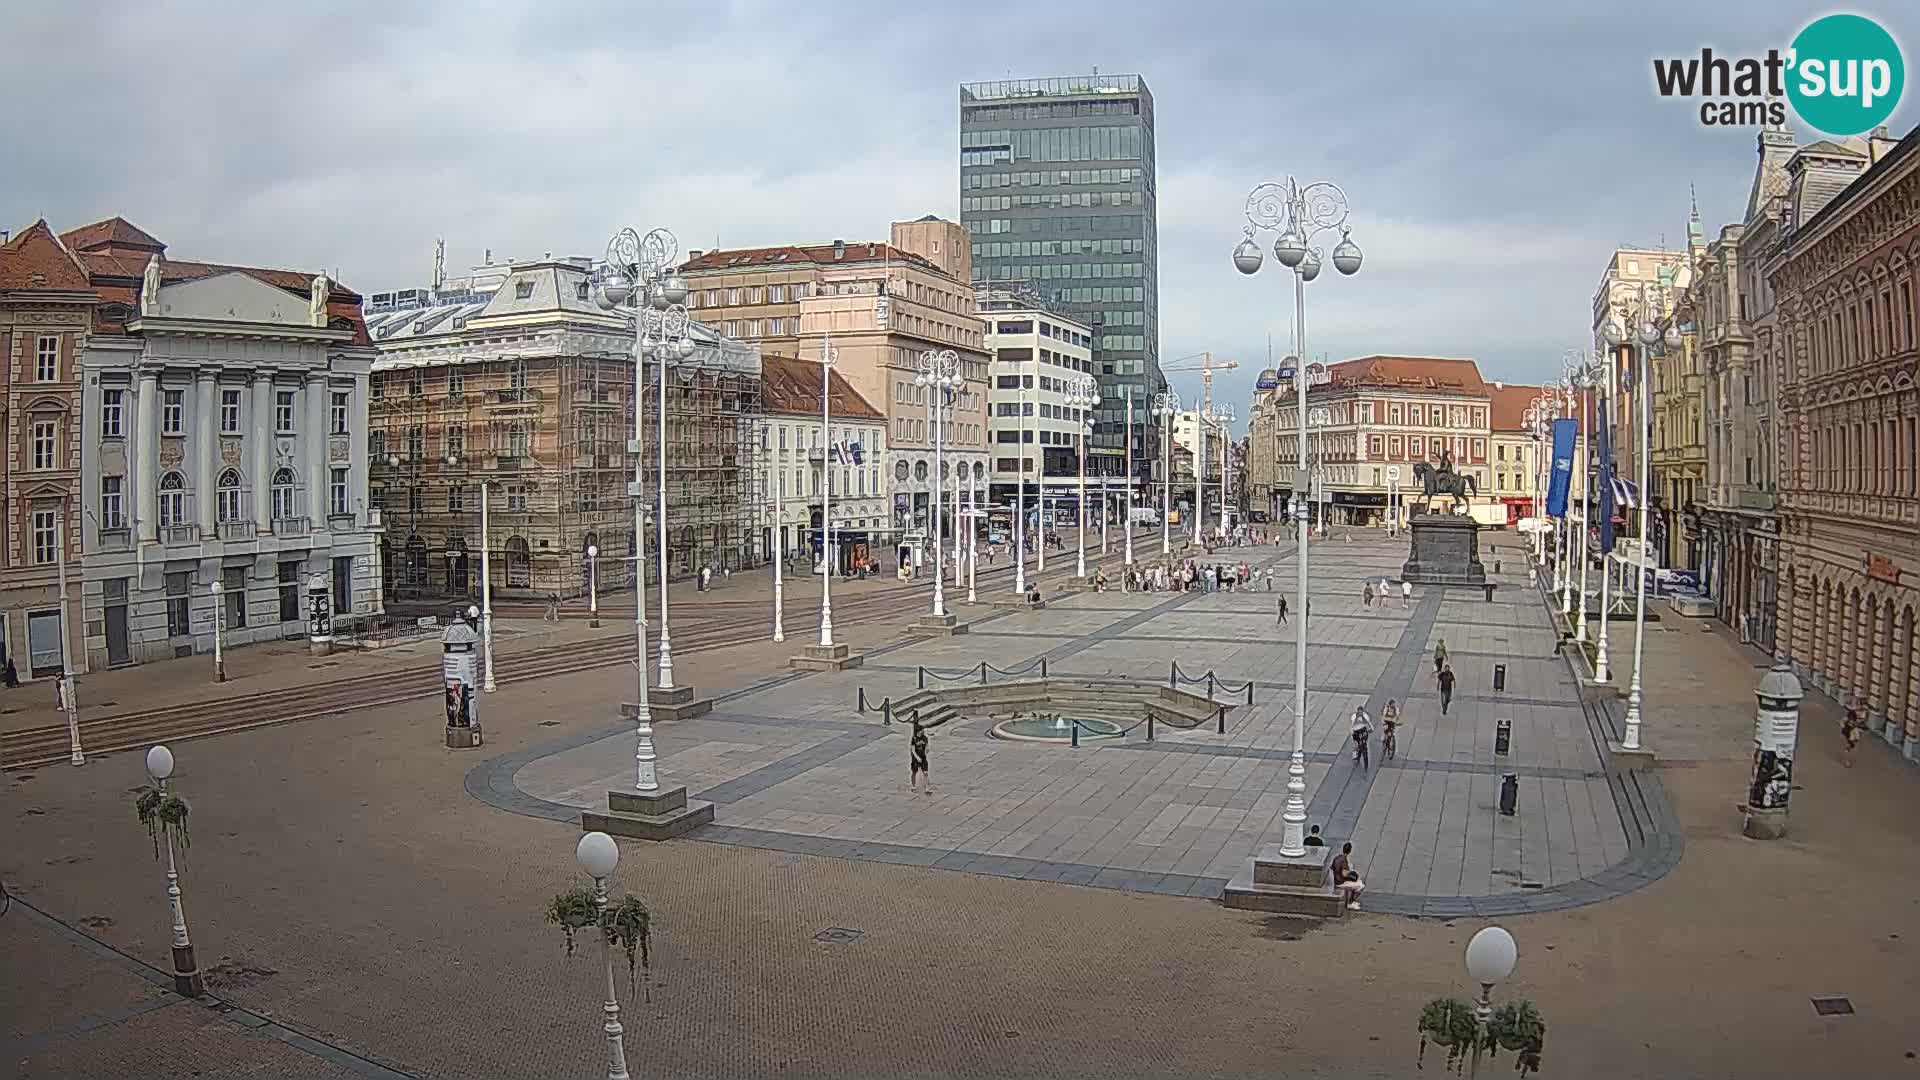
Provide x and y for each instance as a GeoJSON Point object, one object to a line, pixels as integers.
{"type": "Point", "coordinates": [1057, 190]}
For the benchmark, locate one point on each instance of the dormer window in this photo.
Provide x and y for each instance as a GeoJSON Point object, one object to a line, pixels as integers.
{"type": "Point", "coordinates": [523, 289]}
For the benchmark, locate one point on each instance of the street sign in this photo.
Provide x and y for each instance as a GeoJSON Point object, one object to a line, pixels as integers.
{"type": "Point", "coordinates": [1393, 474]}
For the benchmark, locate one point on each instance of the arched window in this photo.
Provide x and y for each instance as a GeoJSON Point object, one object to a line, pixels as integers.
{"type": "Point", "coordinates": [284, 494]}
{"type": "Point", "coordinates": [519, 564]}
{"type": "Point", "coordinates": [173, 499]}
{"type": "Point", "coordinates": [231, 505]}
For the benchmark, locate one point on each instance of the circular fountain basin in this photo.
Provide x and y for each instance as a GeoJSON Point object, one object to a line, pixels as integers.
{"type": "Point", "coordinates": [1057, 729]}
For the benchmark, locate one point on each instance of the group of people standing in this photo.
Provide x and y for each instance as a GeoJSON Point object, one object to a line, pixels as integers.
{"type": "Point", "coordinates": [1189, 574]}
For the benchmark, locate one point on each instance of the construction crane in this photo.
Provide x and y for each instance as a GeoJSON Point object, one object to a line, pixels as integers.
{"type": "Point", "coordinates": [1206, 367]}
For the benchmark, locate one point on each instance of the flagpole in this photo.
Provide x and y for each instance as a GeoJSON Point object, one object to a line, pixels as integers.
{"type": "Point", "coordinates": [1126, 526]}
{"type": "Point", "coordinates": [1601, 671]}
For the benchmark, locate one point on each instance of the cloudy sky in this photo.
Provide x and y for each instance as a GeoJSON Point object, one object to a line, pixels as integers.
{"type": "Point", "coordinates": [1493, 153]}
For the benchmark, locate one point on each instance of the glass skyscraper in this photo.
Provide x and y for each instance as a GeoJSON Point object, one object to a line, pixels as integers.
{"type": "Point", "coordinates": [1057, 190]}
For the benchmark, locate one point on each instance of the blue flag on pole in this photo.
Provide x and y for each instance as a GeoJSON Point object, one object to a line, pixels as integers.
{"type": "Point", "coordinates": [1564, 432]}
{"type": "Point", "coordinates": [1605, 438]}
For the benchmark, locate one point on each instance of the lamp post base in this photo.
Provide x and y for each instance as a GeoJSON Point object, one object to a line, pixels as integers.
{"type": "Point", "coordinates": [187, 980]}
{"type": "Point", "coordinates": [946, 625]}
{"type": "Point", "coordinates": [660, 815]}
{"type": "Point", "coordinates": [826, 658]}
{"type": "Point", "coordinates": [673, 703]}
{"type": "Point", "coordinates": [463, 736]}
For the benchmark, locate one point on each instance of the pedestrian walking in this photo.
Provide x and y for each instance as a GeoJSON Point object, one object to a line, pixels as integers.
{"type": "Point", "coordinates": [1446, 688]}
{"type": "Point", "coordinates": [706, 578]}
{"type": "Point", "coordinates": [1362, 735]}
{"type": "Point", "coordinates": [1267, 575]}
{"type": "Point", "coordinates": [917, 759]}
{"type": "Point", "coordinates": [1406, 594]}
{"type": "Point", "coordinates": [1850, 731]}
{"type": "Point", "coordinates": [1346, 878]}
{"type": "Point", "coordinates": [1366, 594]}
{"type": "Point", "coordinates": [1439, 656]}
{"type": "Point", "coordinates": [1282, 620]}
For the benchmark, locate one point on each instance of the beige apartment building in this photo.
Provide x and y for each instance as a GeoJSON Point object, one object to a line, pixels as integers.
{"type": "Point", "coordinates": [882, 305]}
{"type": "Point", "coordinates": [1384, 414]}
{"type": "Point", "coordinates": [793, 450]}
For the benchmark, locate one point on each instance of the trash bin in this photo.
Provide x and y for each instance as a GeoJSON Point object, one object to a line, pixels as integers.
{"type": "Point", "coordinates": [1500, 678]}
{"type": "Point", "coordinates": [1496, 566]}
{"type": "Point", "coordinates": [1489, 589]}
{"type": "Point", "coordinates": [1502, 736]}
{"type": "Point", "coordinates": [1509, 793]}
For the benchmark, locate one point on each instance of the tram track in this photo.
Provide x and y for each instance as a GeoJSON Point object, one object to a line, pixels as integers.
{"type": "Point", "coordinates": [740, 622]}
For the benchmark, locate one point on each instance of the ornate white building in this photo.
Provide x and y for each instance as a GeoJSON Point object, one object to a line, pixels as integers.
{"type": "Point", "coordinates": [225, 426]}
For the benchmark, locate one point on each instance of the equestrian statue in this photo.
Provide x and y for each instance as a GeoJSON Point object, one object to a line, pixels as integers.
{"type": "Point", "coordinates": [1442, 480]}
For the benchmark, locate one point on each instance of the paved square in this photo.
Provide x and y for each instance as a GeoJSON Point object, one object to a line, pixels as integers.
{"type": "Point", "coordinates": [793, 766]}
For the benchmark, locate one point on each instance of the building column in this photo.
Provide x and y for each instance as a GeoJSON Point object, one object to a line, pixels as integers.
{"type": "Point", "coordinates": [206, 453]}
{"type": "Point", "coordinates": [1899, 673]}
{"type": "Point", "coordinates": [1823, 636]}
{"type": "Point", "coordinates": [1789, 639]}
{"type": "Point", "coordinates": [1910, 686]}
{"type": "Point", "coordinates": [260, 433]}
{"type": "Point", "coordinates": [314, 441]}
{"type": "Point", "coordinates": [147, 433]}
{"type": "Point", "coordinates": [1860, 639]}
{"type": "Point", "coordinates": [1881, 675]}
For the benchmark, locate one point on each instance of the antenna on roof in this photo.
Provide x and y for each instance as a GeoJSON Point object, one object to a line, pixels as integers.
{"type": "Point", "coordinates": [439, 263]}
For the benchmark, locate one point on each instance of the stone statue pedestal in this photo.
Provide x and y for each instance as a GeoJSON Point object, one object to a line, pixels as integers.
{"type": "Point", "coordinates": [1446, 551]}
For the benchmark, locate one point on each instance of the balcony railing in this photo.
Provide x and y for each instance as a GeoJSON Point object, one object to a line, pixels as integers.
{"type": "Point", "coordinates": [290, 526]}
{"type": "Point", "coordinates": [180, 534]}
{"type": "Point", "coordinates": [237, 530]}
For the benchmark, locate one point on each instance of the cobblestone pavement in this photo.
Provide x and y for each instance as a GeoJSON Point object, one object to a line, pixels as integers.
{"type": "Point", "coordinates": [793, 770]}
{"type": "Point", "coordinates": [344, 888]}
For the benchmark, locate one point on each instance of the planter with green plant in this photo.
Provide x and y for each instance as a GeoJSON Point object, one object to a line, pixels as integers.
{"type": "Point", "coordinates": [1448, 1022]}
{"type": "Point", "coordinates": [626, 922]}
{"type": "Point", "coordinates": [1517, 1026]}
{"type": "Point", "coordinates": [162, 811]}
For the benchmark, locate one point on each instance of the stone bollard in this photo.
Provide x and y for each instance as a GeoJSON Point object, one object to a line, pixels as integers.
{"type": "Point", "coordinates": [1776, 730]}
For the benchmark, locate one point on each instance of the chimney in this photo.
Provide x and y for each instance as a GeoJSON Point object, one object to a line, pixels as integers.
{"type": "Point", "coordinates": [839, 250]}
{"type": "Point", "coordinates": [694, 254]}
{"type": "Point", "coordinates": [872, 250]}
{"type": "Point", "coordinates": [1880, 143]}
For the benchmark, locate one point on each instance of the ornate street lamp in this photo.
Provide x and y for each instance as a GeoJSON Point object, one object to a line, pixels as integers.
{"type": "Point", "coordinates": [1648, 335]}
{"type": "Point", "coordinates": [1298, 214]}
{"type": "Point", "coordinates": [1166, 406]}
{"type": "Point", "coordinates": [940, 378]}
{"type": "Point", "coordinates": [1083, 393]}
{"type": "Point", "coordinates": [637, 278]}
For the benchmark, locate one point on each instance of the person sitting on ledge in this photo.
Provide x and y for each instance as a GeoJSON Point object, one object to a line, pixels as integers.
{"type": "Point", "coordinates": [1313, 838]}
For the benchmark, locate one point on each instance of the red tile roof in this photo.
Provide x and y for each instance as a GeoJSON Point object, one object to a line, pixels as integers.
{"type": "Point", "coordinates": [801, 254]}
{"type": "Point", "coordinates": [1410, 372]}
{"type": "Point", "coordinates": [115, 253]}
{"type": "Point", "coordinates": [790, 385]}
{"type": "Point", "coordinates": [115, 232]}
{"type": "Point", "coordinates": [1511, 401]}
{"type": "Point", "coordinates": [35, 259]}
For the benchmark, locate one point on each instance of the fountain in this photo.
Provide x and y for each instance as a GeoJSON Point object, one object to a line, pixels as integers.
{"type": "Point", "coordinates": [1043, 727]}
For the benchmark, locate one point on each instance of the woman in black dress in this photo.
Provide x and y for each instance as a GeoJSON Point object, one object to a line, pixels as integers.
{"type": "Point", "coordinates": [917, 759]}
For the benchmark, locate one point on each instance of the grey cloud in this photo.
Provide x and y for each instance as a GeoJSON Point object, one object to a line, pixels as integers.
{"type": "Point", "coordinates": [1494, 153]}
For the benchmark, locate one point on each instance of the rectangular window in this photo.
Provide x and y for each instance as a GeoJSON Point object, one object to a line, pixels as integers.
{"type": "Point", "coordinates": [283, 412]}
{"type": "Point", "coordinates": [46, 358]}
{"type": "Point", "coordinates": [337, 494]}
{"type": "Point", "coordinates": [178, 603]}
{"type": "Point", "coordinates": [229, 412]}
{"type": "Point", "coordinates": [288, 574]}
{"type": "Point", "coordinates": [45, 538]}
{"type": "Point", "coordinates": [337, 412]}
{"type": "Point", "coordinates": [517, 499]}
{"type": "Point", "coordinates": [456, 439]}
{"type": "Point", "coordinates": [343, 584]}
{"type": "Point", "coordinates": [234, 580]}
{"type": "Point", "coordinates": [113, 512]}
{"type": "Point", "coordinates": [173, 403]}
{"type": "Point", "coordinates": [45, 443]}
{"type": "Point", "coordinates": [456, 382]}
{"type": "Point", "coordinates": [111, 404]}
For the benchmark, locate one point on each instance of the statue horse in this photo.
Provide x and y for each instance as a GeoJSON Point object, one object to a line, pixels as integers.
{"type": "Point", "coordinates": [1433, 482]}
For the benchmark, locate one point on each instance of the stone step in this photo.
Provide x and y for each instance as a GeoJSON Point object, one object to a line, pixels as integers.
{"type": "Point", "coordinates": [1272, 868]}
{"type": "Point", "coordinates": [649, 826]}
{"type": "Point", "coordinates": [1246, 894]}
